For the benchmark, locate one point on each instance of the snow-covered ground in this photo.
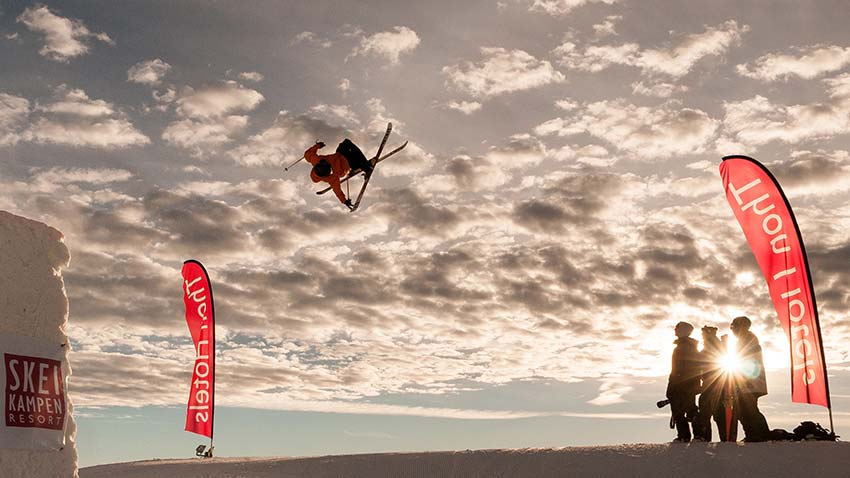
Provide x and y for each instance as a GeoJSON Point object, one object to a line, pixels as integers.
{"type": "Point", "coordinates": [697, 460]}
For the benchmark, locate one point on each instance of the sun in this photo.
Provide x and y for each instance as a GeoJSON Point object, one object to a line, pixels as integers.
{"type": "Point", "coordinates": [729, 361]}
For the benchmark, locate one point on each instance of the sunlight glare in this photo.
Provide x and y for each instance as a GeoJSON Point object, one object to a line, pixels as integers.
{"type": "Point", "coordinates": [729, 361]}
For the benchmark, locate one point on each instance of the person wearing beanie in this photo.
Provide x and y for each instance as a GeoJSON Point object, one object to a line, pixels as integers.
{"type": "Point", "coordinates": [684, 382]}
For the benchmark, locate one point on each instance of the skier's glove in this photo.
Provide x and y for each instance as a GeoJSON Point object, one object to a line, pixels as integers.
{"type": "Point", "coordinates": [321, 144]}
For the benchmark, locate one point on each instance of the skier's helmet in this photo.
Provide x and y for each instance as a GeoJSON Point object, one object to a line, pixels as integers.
{"type": "Point", "coordinates": [322, 169]}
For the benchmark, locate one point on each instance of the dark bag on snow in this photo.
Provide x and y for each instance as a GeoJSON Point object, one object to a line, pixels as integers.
{"type": "Point", "coordinates": [813, 431]}
{"type": "Point", "coordinates": [778, 434]}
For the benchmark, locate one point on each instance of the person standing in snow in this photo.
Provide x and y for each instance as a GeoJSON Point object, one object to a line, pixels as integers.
{"type": "Point", "coordinates": [684, 382]}
{"type": "Point", "coordinates": [713, 382]}
{"type": "Point", "coordinates": [332, 168]}
{"type": "Point", "coordinates": [751, 382]}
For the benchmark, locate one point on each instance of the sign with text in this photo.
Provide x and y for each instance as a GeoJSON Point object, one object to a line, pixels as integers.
{"type": "Point", "coordinates": [200, 317]}
{"type": "Point", "coordinates": [34, 403]}
{"type": "Point", "coordinates": [770, 227]}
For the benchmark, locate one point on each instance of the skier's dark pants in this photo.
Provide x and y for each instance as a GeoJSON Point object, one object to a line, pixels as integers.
{"type": "Point", "coordinates": [683, 407]}
{"type": "Point", "coordinates": [754, 423]}
{"type": "Point", "coordinates": [356, 158]}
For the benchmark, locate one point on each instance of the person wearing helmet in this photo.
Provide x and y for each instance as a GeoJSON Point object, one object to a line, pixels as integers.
{"type": "Point", "coordinates": [331, 168]}
{"type": "Point", "coordinates": [751, 382]}
{"type": "Point", "coordinates": [684, 383]}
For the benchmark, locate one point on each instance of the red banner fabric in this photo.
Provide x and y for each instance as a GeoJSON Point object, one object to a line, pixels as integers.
{"type": "Point", "coordinates": [771, 229]}
{"type": "Point", "coordinates": [197, 295]}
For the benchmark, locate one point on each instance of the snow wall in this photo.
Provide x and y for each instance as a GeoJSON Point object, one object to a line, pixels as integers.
{"type": "Point", "coordinates": [33, 303]}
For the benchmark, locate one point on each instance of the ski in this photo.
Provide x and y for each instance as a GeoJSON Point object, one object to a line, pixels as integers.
{"type": "Point", "coordinates": [375, 160]}
{"type": "Point", "coordinates": [369, 176]}
{"type": "Point", "coordinates": [360, 195]}
{"type": "Point", "coordinates": [383, 143]}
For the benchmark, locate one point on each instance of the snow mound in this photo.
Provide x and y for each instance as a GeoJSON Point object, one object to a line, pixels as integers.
{"type": "Point", "coordinates": [33, 303]}
{"type": "Point", "coordinates": [697, 460]}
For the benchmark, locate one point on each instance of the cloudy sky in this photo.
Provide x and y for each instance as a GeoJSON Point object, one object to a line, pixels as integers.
{"type": "Point", "coordinates": [511, 279]}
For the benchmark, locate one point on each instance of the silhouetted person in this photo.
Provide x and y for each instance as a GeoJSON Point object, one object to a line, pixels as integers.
{"type": "Point", "coordinates": [684, 383]}
{"type": "Point", "coordinates": [751, 382]}
{"type": "Point", "coordinates": [713, 382]}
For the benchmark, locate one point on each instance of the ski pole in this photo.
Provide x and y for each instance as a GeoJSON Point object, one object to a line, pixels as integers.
{"type": "Point", "coordinates": [293, 164]}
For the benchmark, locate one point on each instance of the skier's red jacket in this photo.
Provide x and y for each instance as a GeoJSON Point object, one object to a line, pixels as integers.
{"type": "Point", "coordinates": [339, 169]}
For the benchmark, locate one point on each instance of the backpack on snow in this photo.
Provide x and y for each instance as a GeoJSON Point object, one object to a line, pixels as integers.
{"type": "Point", "coordinates": [813, 431]}
{"type": "Point", "coordinates": [778, 434]}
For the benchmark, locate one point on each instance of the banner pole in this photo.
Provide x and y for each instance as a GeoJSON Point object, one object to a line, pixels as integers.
{"type": "Point", "coordinates": [212, 359]}
{"type": "Point", "coordinates": [831, 424]}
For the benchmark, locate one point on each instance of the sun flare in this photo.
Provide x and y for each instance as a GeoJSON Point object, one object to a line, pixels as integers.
{"type": "Point", "coordinates": [729, 361]}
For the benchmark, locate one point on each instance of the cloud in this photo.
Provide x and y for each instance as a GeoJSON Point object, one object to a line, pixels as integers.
{"type": "Point", "coordinates": [501, 71]}
{"type": "Point", "coordinates": [520, 152]}
{"type": "Point", "coordinates": [310, 37]}
{"type": "Point", "coordinates": [76, 102]}
{"type": "Point", "coordinates": [335, 114]}
{"type": "Point", "coordinates": [380, 117]}
{"type": "Point", "coordinates": [465, 107]}
{"type": "Point", "coordinates": [164, 98]}
{"type": "Point", "coordinates": [202, 136]}
{"type": "Point", "coordinates": [217, 100]}
{"type": "Point", "coordinates": [14, 111]}
{"type": "Point", "coordinates": [65, 38]}
{"type": "Point", "coordinates": [284, 141]}
{"type": "Point", "coordinates": [476, 174]}
{"type": "Point", "coordinates": [389, 45]}
{"type": "Point", "coordinates": [591, 155]}
{"type": "Point", "coordinates": [208, 122]}
{"type": "Point", "coordinates": [74, 119]}
{"type": "Point", "coordinates": [811, 62]}
{"type": "Point", "coordinates": [274, 189]}
{"type": "Point", "coordinates": [758, 121]}
{"type": "Point", "coordinates": [574, 199]}
{"type": "Point", "coordinates": [107, 133]}
{"type": "Point", "coordinates": [813, 172]}
{"type": "Point", "coordinates": [560, 8]}
{"type": "Point", "coordinates": [657, 89]}
{"type": "Point", "coordinates": [148, 72]}
{"type": "Point", "coordinates": [81, 175]}
{"type": "Point", "coordinates": [251, 76]}
{"type": "Point", "coordinates": [606, 28]}
{"type": "Point", "coordinates": [610, 393]}
{"type": "Point", "coordinates": [406, 208]}
{"type": "Point", "coordinates": [675, 62]}
{"type": "Point", "coordinates": [344, 85]}
{"type": "Point", "coordinates": [644, 132]}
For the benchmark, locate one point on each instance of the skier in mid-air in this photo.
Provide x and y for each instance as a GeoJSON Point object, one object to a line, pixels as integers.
{"type": "Point", "coordinates": [348, 161]}
{"type": "Point", "coordinates": [332, 168]}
